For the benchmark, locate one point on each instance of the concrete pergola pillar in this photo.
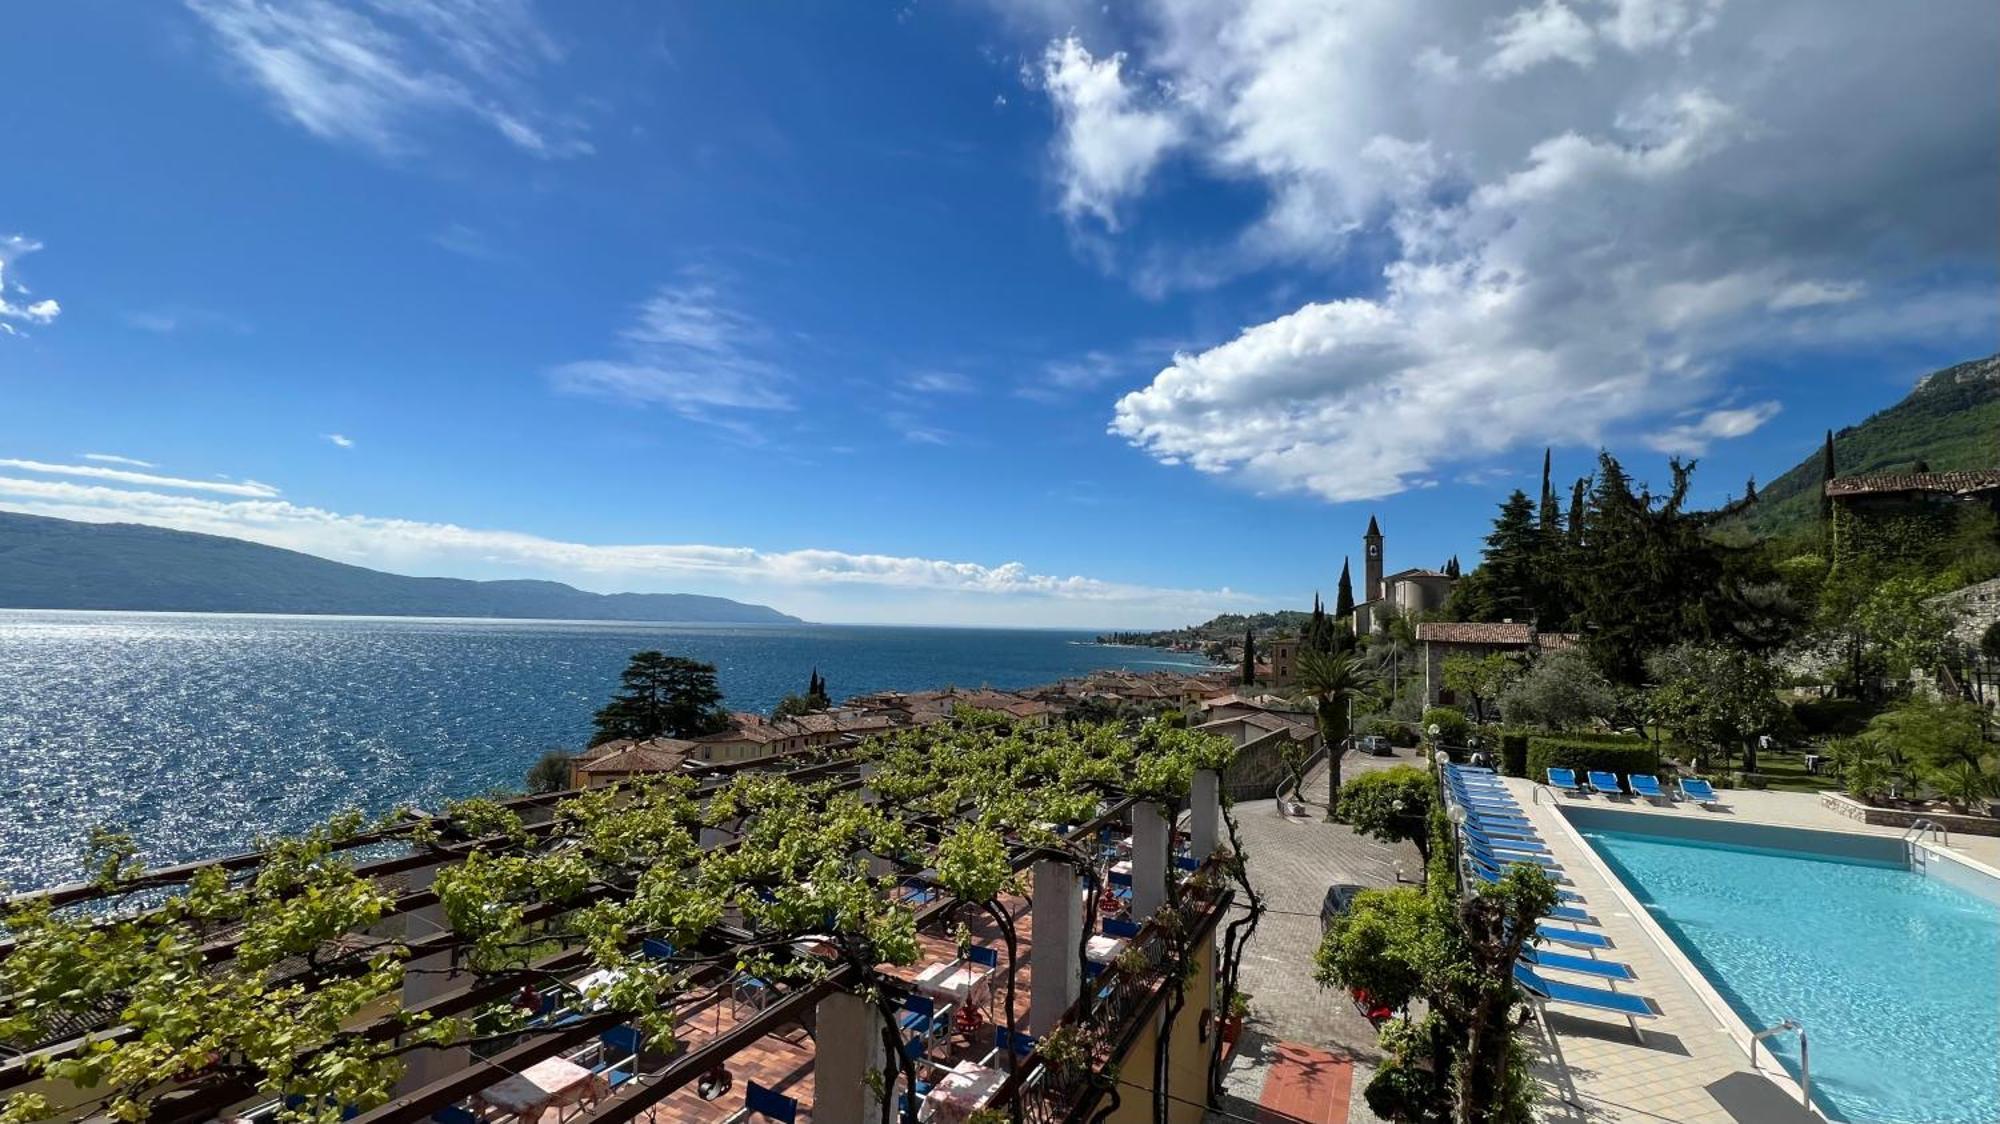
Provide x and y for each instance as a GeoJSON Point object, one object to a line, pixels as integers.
{"type": "Point", "coordinates": [1152, 851]}
{"type": "Point", "coordinates": [866, 771]}
{"type": "Point", "coordinates": [847, 1043]}
{"type": "Point", "coordinates": [1058, 929]}
{"type": "Point", "coordinates": [1205, 813]}
{"type": "Point", "coordinates": [425, 978]}
{"type": "Point", "coordinates": [712, 837]}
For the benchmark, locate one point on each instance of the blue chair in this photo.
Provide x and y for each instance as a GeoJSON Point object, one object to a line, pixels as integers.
{"type": "Point", "coordinates": [919, 894]}
{"type": "Point", "coordinates": [1564, 780]}
{"type": "Point", "coordinates": [1645, 785]}
{"type": "Point", "coordinates": [759, 1101]}
{"type": "Point", "coordinates": [1633, 1007]}
{"type": "Point", "coordinates": [1606, 783]}
{"type": "Point", "coordinates": [622, 1043]}
{"type": "Point", "coordinates": [750, 990]}
{"type": "Point", "coordinates": [653, 948]}
{"type": "Point", "coordinates": [1188, 862]}
{"type": "Point", "coordinates": [1581, 965]}
{"type": "Point", "coordinates": [1121, 878]}
{"type": "Point", "coordinates": [1024, 1044]}
{"type": "Point", "coordinates": [1699, 791]}
{"type": "Point", "coordinates": [455, 1114]}
{"type": "Point", "coordinates": [919, 1016]}
{"type": "Point", "coordinates": [1114, 927]}
{"type": "Point", "coordinates": [983, 955]}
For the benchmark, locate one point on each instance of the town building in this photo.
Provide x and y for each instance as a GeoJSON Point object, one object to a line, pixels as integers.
{"type": "Point", "coordinates": [1890, 514]}
{"type": "Point", "coordinates": [1440, 640]}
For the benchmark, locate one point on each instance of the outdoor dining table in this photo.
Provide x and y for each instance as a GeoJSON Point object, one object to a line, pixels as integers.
{"type": "Point", "coordinates": [956, 982]}
{"type": "Point", "coordinates": [966, 1089]}
{"type": "Point", "coordinates": [549, 1083]}
{"type": "Point", "coordinates": [1101, 949]}
{"type": "Point", "coordinates": [1122, 866]}
{"type": "Point", "coordinates": [603, 977]}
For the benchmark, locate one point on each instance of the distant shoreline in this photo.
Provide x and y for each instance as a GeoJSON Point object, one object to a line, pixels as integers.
{"type": "Point", "coordinates": [182, 614]}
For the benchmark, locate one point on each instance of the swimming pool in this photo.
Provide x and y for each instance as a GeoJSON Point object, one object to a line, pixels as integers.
{"type": "Point", "coordinates": [1895, 976]}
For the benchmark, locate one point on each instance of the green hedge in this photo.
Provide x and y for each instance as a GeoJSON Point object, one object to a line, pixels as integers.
{"type": "Point", "coordinates": [1514, 753]}
{"type": "Point", "coordinates": [1622, 756]}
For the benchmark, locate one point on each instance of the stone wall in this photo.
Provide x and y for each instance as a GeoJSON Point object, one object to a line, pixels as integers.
{"type": "Point", "coordinates": [1844, 805]}
{"type": "Point", "coordinates": [1977, 607]}
{"type": "Point", "coordinates": [1259, 768]}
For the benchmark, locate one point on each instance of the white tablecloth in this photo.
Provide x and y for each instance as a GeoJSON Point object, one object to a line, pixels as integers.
{"type": "Point", "coordinates": [1102, 949]}
{"type": "Point", "coordinates": [542, 1086]}
{"type": "Point", "coordinates": [965, 1090]}
{"type": "Point", "coordinates": [956, 983]}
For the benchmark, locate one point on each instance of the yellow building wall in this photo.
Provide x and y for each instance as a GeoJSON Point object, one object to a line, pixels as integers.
{"type": "Point", "coordinates": [1187, 1058]}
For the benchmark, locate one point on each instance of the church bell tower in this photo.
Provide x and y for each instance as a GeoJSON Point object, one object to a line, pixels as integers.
{"type": "Point", "coordinates": [1372, 552]}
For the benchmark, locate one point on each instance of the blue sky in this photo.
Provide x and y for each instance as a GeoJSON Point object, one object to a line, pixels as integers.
{"type": "Point", "coordinates": [949, 313]}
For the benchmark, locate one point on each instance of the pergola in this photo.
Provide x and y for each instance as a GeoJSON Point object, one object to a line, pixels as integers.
{"type": "Point", "coordinates": [919, 832]}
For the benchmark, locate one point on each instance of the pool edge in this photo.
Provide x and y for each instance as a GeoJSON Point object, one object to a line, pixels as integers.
{"type": "Point", "coordinates": [1739, 1031]}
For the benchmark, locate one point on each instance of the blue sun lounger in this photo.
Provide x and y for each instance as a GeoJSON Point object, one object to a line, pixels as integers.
{"type": "Point", "coordinates": [1606, 783]}
{"type": "Point", "coordinates": [1645, 785]}
{"type": "Point", "coordinates": [1633, 1007]}
{"type": "Point", "coordinates": [1699, 791]}
{"type": "Point", "coordinates": [1498, 859]}
{"type": "Point", "coordinates": [1572, 914]}
{"type": "Point", "coordinates": [1564, 780]}
{"type": "Point", "coordinates": [1514, 844]}
{"type": "Point", "coordinates": [1581, 965]}
{"type": "Point", "coordinates": [1488, 874]}
{"type": "Point", "coordinates": [1574, 937]}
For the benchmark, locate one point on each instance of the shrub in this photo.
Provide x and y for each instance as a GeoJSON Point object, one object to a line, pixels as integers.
{"type": "Point", "coordinates": [1820, 718]}
{"type": "Point", "coordinates": [1514, 753]}
{"type": "Point", "coordinates": [1623, 756]}
{"type": "Point", "coordinates": [1453, 726]}
{"type": "Point", "coordinates": [1398, 733]}
{"type": "Point", "coordinates": [1390, 805]}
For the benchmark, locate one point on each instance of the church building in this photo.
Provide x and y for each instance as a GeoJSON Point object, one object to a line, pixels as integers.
{"type": "Point", "coordinates": [1410, 591]}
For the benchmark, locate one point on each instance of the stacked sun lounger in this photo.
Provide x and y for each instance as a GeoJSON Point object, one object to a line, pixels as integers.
{"type": "Point", "coordinates": [1495, 833]}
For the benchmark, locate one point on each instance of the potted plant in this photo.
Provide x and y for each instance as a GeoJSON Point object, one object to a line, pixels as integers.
{"type": "Point", "coordinates": [1232, 1023]}
{"type": "Point", "coordinates": [1062, 1050]}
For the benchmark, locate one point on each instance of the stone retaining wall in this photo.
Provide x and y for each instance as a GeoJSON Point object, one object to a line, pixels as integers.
{"type": "Point", "coordinates": [1900, 817]}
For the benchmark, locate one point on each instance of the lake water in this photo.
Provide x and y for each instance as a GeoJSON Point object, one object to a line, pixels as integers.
{"type": "Point", "coordinates": [196, 732]}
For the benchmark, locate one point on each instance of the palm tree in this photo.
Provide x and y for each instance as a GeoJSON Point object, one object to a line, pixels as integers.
{"type": "Point", "coordinates": [1329, 681]}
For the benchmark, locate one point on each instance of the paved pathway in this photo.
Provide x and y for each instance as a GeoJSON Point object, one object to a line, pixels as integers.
{"type": "Point", "coordinates": [1292, 862]}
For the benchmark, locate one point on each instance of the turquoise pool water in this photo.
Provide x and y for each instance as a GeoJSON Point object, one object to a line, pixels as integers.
{"type": "Point", "coordinates": [1895, 976]}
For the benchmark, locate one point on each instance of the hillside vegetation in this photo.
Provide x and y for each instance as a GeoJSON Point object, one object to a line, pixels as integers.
{"type": "Point", "coordinates": [1950, 421]}
{"type": "Point", "coordinates": [61, 564]}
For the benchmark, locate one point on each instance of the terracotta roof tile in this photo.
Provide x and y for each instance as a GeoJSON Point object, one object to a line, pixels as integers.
{"type": "Point", "coordinates": [1943, 483]}
{"type": "Point", "coordinates": [1476, 632]}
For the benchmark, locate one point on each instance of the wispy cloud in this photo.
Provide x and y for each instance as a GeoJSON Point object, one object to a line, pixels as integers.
{"type": "Point", "coordinates": [939, 382]}
{"type": "Point", "coordinates": [13, 247]}
{"type": "Point", "coordinates": [340, 439]}
{"type": "Point", "coordinates": [167, 321]}
{"type": "Point", "coordinates": [443, 547]}
{"type": "Point", "coordinates": [1716, 425]}
{"type": "Point", "coordinates": [95, 472]}
{"type": "Point", "coordinates": [114, 458]}
{"type": "Point", "coordinates": [689, 350]}
{"type": "Point", "coordinates": [374, 74]}
{"type": "Point", "coordinates": [467, 242]}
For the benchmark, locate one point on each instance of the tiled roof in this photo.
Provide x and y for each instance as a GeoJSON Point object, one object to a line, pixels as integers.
{"type": "Point", "coordinates": [1476, 632]}
{"type": "Point", "coordinates": [658, 755]}
{"type": "Point", "coordinates": [1945, 483]}
{"type": "Point", "coordinates": [1557, 641]}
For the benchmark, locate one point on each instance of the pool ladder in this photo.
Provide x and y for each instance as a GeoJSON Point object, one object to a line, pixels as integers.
{"type": "Point", "coordinates": [1917, 858]}
{"type": "Point", "coordinates": [1805, 1063]}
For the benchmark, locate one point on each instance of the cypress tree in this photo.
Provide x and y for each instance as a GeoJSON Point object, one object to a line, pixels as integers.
{"type": "Point", "coordinates": [1551, 514]}
{"type": "Point", "coordinates": [1825, 475]}
{"type": "Point", "coordinates": [1249, 658]}
{"type": "Point", "coordinates": [1343, 601]}
{"type": "Point", "coordinates": [1577, 499]}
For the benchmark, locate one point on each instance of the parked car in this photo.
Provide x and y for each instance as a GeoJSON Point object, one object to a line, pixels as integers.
{"type": "Point", "coordinates": [1338, 897]}
{"type": "Point", "coordinates": [1375, 745]}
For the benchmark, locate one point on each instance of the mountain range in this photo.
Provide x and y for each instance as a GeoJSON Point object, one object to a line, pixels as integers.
{"type": "Point", "coordinates": [61, 564]}
{"type": "Point", "coordinates": [1949, 421]}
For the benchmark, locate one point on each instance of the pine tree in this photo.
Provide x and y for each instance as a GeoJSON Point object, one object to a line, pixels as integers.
{"type": "Point", "coordinates": [1249, 658]}
{"type": "Point", "coordinates": [1343, 600]}
{"type": "Point", "coordinates": [662, 696]}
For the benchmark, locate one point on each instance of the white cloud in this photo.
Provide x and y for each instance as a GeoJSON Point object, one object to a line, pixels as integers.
{"type": "Point", "coordinates": [1716, 425]}
{"type": "Point", "coordinates": [372, 73]}
{"type": "Point", "coordinates": [13, 247]}
{"type": "Point", "coordinates": [1579, 237]}
{"type": "Point", "coordinates": [939, 382]}
{"type": "Point", "coordinates": [124, 476]}
{"type": "Point", "coordinates": [1112, 137]}
{"type": "Point", "coordinates": [689, 350]}
{"type": "Point", "coordinates": [114, 458]}
{"type": "Point", "coordinates": [1533, 36]}
{"type": "Point", "coordinates": [912, 588]}
{"type": "Point", "coordinates": [340, 439]}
